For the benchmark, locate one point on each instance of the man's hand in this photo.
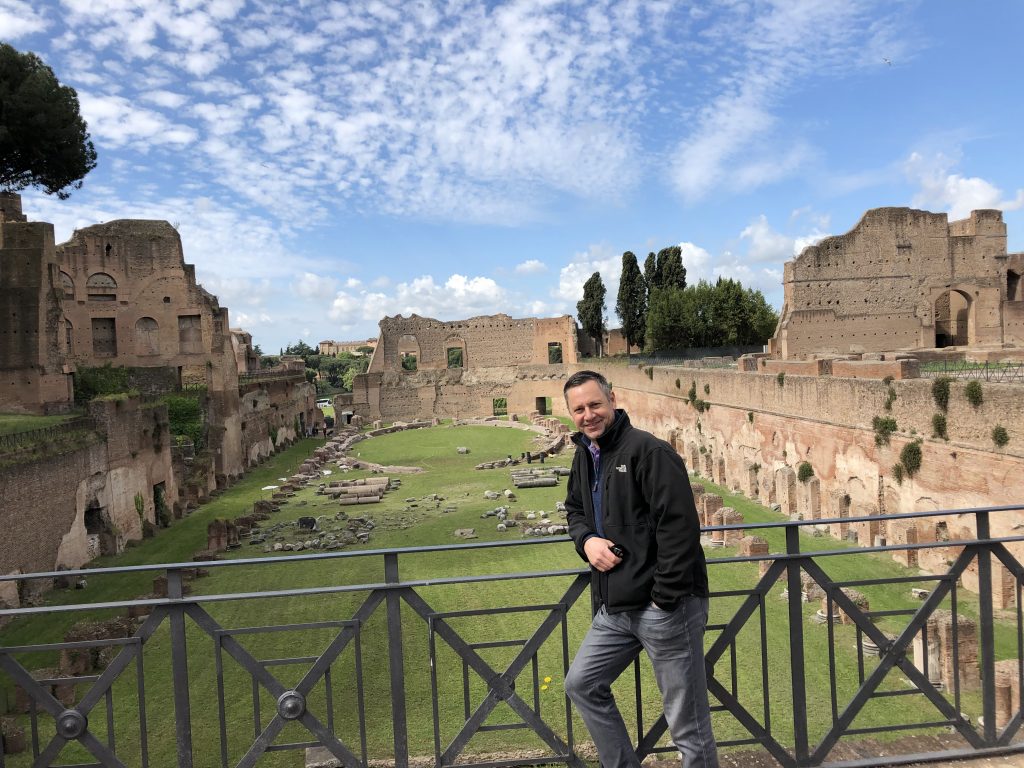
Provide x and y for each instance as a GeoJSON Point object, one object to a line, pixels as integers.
{"type": "Point", "coordinates": [599, 553]}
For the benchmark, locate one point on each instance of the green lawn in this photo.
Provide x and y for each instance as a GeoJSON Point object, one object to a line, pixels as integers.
{"type": "Point", "coordinates": [412, 517]}
{"type": "Point", "coordinates": [20, 422]}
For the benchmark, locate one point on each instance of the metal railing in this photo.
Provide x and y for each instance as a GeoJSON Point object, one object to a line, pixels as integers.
{"type": "Point", "coordinates": [776, 681]}
{"type": "Point", "coordinates": [1008, 373]}
{"type": "Point", "coordinates": [14, 441]}
{"type": "Point", "coordinates": [270, 375]}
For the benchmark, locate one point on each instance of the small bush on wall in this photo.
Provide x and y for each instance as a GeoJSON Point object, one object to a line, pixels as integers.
{"type": "Point", "coordinates": [1000, 436]}
{"type": "Point", "coordinates": [939, 426]}
{"type": "Point", "coordinates": [973, 393]}
{"type": "Point", "coordinates": [884, 426]}
{"type": "Point", "coordinates": [805, 472]}
{"type": "Point", "coordinates": [910, 458]}
{"type": "Point", "coordinates": [940, 393]}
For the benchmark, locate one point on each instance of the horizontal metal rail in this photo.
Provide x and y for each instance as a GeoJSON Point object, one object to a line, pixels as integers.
{"type": "Point", "coordinates": [15, 441]}
{"type": "Point", "coordinates": [307, 672]}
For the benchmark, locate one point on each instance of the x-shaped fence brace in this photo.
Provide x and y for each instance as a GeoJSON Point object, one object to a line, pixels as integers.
{"type": "Point", "coordinates": [501, 686]}
{"type": "Point", "coordinates": [72, 723]}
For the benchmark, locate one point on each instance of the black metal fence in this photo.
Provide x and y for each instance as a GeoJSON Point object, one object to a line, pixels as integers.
{"type": "Point", "coordinates": [1009, 373]}
{"type": "Point", "coordinates": [11, 443]}
{"type": "Point", "coordinates": [225, 675]}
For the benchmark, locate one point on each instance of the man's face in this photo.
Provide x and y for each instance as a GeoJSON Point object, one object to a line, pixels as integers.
{"type": "Point", "coordinates": [591, 410]}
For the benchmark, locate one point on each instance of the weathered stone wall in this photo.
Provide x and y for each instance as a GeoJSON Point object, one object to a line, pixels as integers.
{"type": "Point", "coordinates": [753, 421]}
{"type": "Point", "coordinates": [130, 299]}
{"type": "Point", "coordinates": [488, 341]}
{"type": "Point", "coordinates": [47, 507]}
{"type": "Point", "coordinates": [269, 412]}
{"type": "Point", "coordinates": [900, 279]}
{"type": "Point", "coordinates": [503, 358]}
{"type": "Point", "coordinates": [33, 378]}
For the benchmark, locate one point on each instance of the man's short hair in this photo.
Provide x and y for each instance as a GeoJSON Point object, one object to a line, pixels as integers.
{"type": "Point", "coordinates": [582, 377]}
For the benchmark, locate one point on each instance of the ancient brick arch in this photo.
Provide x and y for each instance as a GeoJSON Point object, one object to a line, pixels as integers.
{"type": "Point", "coordinates": [456, 352]}
{"type": "Point", "coordinates": [953, 318]}
{"type": "Point", "coordinates": [409, 351]}
{"type": "Point", "coordinates": [147, 336]}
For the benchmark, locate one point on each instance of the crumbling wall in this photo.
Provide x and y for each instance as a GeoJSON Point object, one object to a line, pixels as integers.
{"type": "Point", "coordinates": [33, 377]}
{"type": "Point", "coordinates": [900, 279]}
{"type": "Point", "coordinates": [66, 509]}
{"type": "Point", "coordinates": [756, 420]}
{"type": "Point", "coordinates": [503, 359]}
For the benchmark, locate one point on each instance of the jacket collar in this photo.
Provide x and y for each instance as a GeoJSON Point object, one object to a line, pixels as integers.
{"type": "Point", "coordinates": [611, 435]}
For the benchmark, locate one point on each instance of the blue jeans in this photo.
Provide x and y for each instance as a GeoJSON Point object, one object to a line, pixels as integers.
{"type": "Point", "coordinates": [674, 641]}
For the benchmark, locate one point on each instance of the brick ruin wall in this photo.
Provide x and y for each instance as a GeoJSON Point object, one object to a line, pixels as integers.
{"type": "Point", "coordinates": [270, 411]}
{"type": "Point", "coordinates": [879, 287]}
{"type": "Point", "coordinates": [503, 358]}
{"type": "Point", "coordinates": [44, 503]}
{"type": "Point", "coordinates": [757, 433]}
{"type": "Point", "coordinates": [33, 377]}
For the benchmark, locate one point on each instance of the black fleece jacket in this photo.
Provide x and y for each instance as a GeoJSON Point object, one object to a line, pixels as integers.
{"type": "Point", "coordinates": [648, 510]}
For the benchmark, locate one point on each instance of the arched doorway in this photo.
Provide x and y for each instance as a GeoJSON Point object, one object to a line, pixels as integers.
{"type": "Point", "coordinates": [952, 319]}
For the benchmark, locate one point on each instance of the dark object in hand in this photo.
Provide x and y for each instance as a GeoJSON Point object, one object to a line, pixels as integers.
{"type": "Point", "coordinates": [617, 550]}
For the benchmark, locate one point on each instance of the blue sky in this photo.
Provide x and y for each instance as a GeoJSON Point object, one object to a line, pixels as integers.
{"type": "Point", "coordinates": [330, 163]}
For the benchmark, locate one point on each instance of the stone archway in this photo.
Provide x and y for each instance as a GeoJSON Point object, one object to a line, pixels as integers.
{"type": "Point", "coordinates": [953, 319]}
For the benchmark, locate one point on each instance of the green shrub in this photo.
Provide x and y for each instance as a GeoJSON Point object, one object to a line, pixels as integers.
{"type": "Point", "coordinates": [890, 398]}
{"type": "Point", "coordinates": [273, 435]}
{"type": "Point", "coordinates": [897, 473]}
{"type": "Point", "coordinates": [140, 505]}
{"type": "Point", "coordinates": [939, 426]}
{"type": "Point", "coordinates": [1000, 436]}
{"type": "Point", "coordinates": [910, 458]}
{"type": "Point", "coordinates": [692, 393]}
{"type": "Point", "coordinates": [91, 382]}
{"type": "Point", "coordinates": [940, 392]}
{"type": "Point", "coordinates": [750, 416]}
{"type": "Point", "coordinates": [973, 393]}
{"type": "Point", "coordinates": [649, 370]}
{"type": "Point", "coordinates": [185, 414]}
{"type": "Point", "coordinates": [888, 380]}
{"type": "Point", "coordinates": [805, 472]}
{"type": "Point", "coordinates": [707, 389]}
{"type": "Point", "coordinates": [678, 385]}
{"type": "Point", "coordinates": [884, 426]}
{"type": "Point", "coordinates": [780, 378]}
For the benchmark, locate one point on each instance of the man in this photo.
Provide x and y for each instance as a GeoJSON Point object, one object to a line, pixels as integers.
{"type": "Point", "coordinates": [632, 517]}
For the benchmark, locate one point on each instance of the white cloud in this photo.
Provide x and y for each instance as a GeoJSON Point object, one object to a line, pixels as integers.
{"type": "Point", "coordinates": [312, 286]}
{"type": "Point", "coordinates": [19, 19]}
{"type": "Point", "coordinates": [571, 277]}
{"type": "Point", "coordinates": [531, 267]}
{"type": "Point", "coordinates": [765, 243]}
{"type": "Point", "coordinates": [116, 120]}
{"type": "Point", "coordinates": [458, 297]}
{"type": "Point", "coordinates": [761, 53]}
{"type": "Point", "coordinates": [958, 195]}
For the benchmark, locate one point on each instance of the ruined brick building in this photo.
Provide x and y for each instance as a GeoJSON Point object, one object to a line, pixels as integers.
{"type": "Point", "coordinates": [120, 293]}
{"type": "Point", "coordinates": [903, 279]}
{"type": "Point", "coordinates": [424, 368]}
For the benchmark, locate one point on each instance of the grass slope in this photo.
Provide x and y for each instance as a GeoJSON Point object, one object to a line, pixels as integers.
{"type": "Point", "coordinates": [412, 517]}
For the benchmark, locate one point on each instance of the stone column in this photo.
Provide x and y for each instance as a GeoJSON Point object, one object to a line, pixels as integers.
{"type": "Point", "coordinates": [785, 491]}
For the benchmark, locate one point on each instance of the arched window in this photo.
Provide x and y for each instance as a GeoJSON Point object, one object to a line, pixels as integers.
{"type": "Point", "coordinates": [69, 337]}
{"type": "Point", "coordinates": [408, 352]}
{"type": "Point", "coordinates": [147, 336]}
{"type": "Point", "coordinates": [101, 287]}
{"type": "Point", "coordinates": [952, 319]}
{"type": "Point", "coordinates": [68, 285]}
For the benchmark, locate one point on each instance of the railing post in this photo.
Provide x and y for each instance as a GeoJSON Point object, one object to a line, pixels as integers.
{"type": "Point", "coordinates": [179, 671]}
{"type": "Point", "coordinates": [396, 663]}
{"type": "Point", "coordinates": [985, 618]}
{"type": "Point", "coordinates": [796, 647]}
